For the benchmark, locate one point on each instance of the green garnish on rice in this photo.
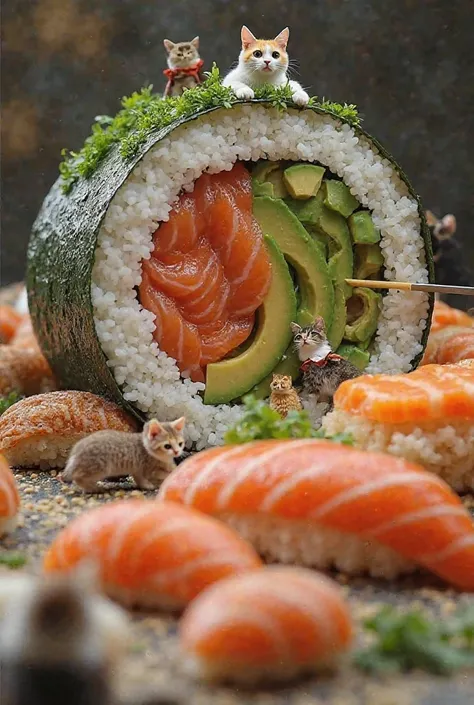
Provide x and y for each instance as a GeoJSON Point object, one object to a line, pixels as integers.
{"type": "Point", "coordinates": [144, 112]}
{"type": "Point", "coordinates": [13, 560]}
{"type": "Point", "coordinates": [260, 422]}
{"type": "Point", "coordinates": [8, 400]}
{"type": "Point", "coordinates": [406, 641]}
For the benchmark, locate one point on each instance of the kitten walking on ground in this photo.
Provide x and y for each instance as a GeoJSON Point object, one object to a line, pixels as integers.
{"type": "Point", "coordinates": [261, 62]}
{"type": "Point", "coordinates": [147, 456]}
{"type": "Point", "coordinates": [323, 371]}
{"type": "Point", "coordinates": [284, 398]}
{"type": "Point", "coordinates": [184, 66]}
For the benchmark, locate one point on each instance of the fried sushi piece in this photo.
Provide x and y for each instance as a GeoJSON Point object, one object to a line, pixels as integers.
{"type": "Point", "coordinates": [41, 430]}
{"type": "Point", "coordinates": [24, 371]}
{"type": "Point", "coordinates": [151, 554]}
{"type": "Point", "coordinates": [270, 625]}
{"type": "Point", "coordinates": [426, 416]}
{"type": "Point", "coordinates": [9, 499]}
{"type": "Point", "coordinates": [322, 504]}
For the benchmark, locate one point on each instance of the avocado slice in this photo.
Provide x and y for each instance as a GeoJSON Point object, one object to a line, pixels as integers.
{"type": "Point", "coordinates": [309, 211]}
{"type": "Point", "coordinates": [338, 327]}
{"type": "Point", "coordinates": [265, 172]}
{"type": "Point", "coordinates": [264, 188]}
{"type": "Point", "coordinates": [303, 180]}
{"type": "Point", "coordinates": [340, 256]}
{"type": "Point", "coordinates": [316, 288]}
{"type": "Point", "coordinates": [368, 261]}
{"type": "Point", "coordinates": [359, 358]}
{"type": "Point", "coordinates": [231, 378]}
{"type": "Point", "coordinates": [363, 310]}
{"type": "Point", "coordinates": [362, 228]}
{"type": "Point", "coordinates": [338, 197]}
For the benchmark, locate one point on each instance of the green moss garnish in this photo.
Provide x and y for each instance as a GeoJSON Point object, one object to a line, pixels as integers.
{"type": "Point", "coordinates": [7, 401]}
{"type": "Point", "coordinates": [405, 641]}
{"type": "Point", "coordinates": [144, 112]}
{"type": "Point", "coordinates": [13, 560]}
{"type": "Point", "coordinates": [259, 422]}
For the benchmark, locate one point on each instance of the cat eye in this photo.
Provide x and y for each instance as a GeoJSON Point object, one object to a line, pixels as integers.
{"type": "Point", "coordinates": [298, 336]}
{"type": "Point", "coordinates": [257, 53]}
{"type": "Point", "coordinates": [167, 446]}
{"type": "Point", "coordinates": [276, 54]}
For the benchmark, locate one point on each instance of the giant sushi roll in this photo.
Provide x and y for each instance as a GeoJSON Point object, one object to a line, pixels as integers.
{"type": "Point", "coordinates": [170, 257]}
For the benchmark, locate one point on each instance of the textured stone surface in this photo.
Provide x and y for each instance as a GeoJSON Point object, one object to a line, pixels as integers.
{"type": "Point", "coordinates": [406, 64]}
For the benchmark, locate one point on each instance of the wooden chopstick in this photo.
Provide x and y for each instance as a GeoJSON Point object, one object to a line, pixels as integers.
{"type": "Point", "coordinates": [408, 286]}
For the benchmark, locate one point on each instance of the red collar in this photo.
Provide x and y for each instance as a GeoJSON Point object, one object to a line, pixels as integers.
{"type": "Point", "coordinates": [191, 71]}
{"type": "Point", "coordinates": [320, 363]}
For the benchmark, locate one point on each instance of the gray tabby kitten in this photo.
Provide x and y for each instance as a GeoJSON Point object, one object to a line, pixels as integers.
{"type": "Point", "coordinates": [323, 370]}
{"type": "Point", "coordinates": [147, 456]}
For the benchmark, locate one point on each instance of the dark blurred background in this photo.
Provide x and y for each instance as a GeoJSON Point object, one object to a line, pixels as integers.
{"type": "Point", "coordinates": [407, 64]}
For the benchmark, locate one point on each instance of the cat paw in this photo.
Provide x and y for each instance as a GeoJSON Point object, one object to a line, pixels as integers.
{"type": "Point", "coordinates": [244, 93]}
{"type": "Point", "coordinates": [300, 97]}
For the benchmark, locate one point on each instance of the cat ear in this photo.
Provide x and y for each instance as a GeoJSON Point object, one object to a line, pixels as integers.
{"type": "Point", "coordinates": [319, 324]}
{"type": "Point", "coordinates": [282, 38]}
{"type": "Point", "coordinates": [295, 328]}
{"type": "Point", "coordinates": [448, 225]}
{"type": "Point", "coordinates": [195, 42]}
{"type": "Point", "coordinates": [168, 45]}
{"type": "Point", "coordinates": [178, 425]}
{"type": "Point", "coordinates": [154, 429]}
{"type": "Point", "coordinates": [431, 219]}
{"type": "Point", "coordinates": [247, 37]}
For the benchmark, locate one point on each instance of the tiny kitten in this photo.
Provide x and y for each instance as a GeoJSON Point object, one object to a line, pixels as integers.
{"type": "Point", "coordinates": [147, 456]}
{"type": "Point", "coordinates": [323, 370]}
{"type": "Point", "coordinates": [284, 398]}
{"type": "Point", "coordinates": [184, 66]}
{"type": "Point", "coordinates": [263, 61]}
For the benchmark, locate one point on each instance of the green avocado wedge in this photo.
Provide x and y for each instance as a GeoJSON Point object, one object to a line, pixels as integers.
{"type": "Point", "coordinates": [232, 378]}
{"type": "Point", "coordinates": [316, 289]}
{"type": "Point", "coordinates": [359, 358]}
{"type": "Point", "coordinates": [63, 241]}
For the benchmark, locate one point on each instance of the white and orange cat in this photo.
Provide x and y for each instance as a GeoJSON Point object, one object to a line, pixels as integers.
{"type": "Point", "coordinates": [263, 61]}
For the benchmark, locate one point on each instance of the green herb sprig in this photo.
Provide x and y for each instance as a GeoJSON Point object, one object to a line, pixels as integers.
{"type": "Point", "coordinates": [260, 422]}
{"type": "Point", "coordinates": [406, 641]}
{"type": "Point", "coordinates": [144, 112]}
{"type": "Point", "coordinates": [8, 400]}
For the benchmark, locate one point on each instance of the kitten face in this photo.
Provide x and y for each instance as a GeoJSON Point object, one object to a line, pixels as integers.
{"type": "Point", "coordinates": [311, 336]}
{"type": "Point", "coordinates": [164, 439]}
{"type": "Point", "coordinates": [182, 55]}
{"type": "Point", "coordinates": [281, 383]}
{"type": "Point", "coordinates": [264, 57]}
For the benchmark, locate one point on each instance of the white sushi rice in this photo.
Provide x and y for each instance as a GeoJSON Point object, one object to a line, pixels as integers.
{"type": "Point", "coordinates": [149, 378]}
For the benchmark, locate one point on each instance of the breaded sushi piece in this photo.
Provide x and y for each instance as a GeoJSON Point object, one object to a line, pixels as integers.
{"type": "Point", "coordinates": [151, 554]}
{"type": "Point", "coordinates": [9, 499]}
{"type": "Point", "coordinates": [321, 504]}
{"type": "Point", "coordinates": [25, 371]}
{"type": "Point", "coordinates": [39, 431]}
{"type": "Point", "coordinates": [426, 416]}
{"type": "Point", "coordinates": [449, 345]}
{"type": "Point", "coordinates": [270, 625]}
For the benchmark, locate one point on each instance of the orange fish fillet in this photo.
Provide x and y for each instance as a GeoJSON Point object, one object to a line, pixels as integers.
{"type": "Point", "coordinates": [449, 345]}
{"type": "Point", "coordinates": [9, 498]}
{"type": "Point", "coordinates": [270, 624]}
{"type": "Point", "coordinates": [150, 553]}
{"type": "Point", "coordinates": [444, 315]}
{"type": "Point", "coordinates": [306, 484]}
{"type": "Point", "coordinates": [211, 265]}
{"type": "Point", "coordinates": [429, 393]}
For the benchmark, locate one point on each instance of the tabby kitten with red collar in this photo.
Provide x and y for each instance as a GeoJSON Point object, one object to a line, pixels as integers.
{"type": "Point", "coordinates": [323, 371]}
{"type": "Point", "coordinates": [184, 66]}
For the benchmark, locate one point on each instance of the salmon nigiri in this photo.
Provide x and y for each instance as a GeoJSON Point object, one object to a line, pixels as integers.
{"type": "Point", "coordinates": [151, 554]}
{"type": "Point", "coordinates": [426, 416]}
{"type": "Point", "coordinates": [445, 315]}
{"type": "Point", "coordinates": [272, 624]}
{"type": "Point", "coordinates": [9, 498]}
{"type": "Point", "coordinates": [322, 504]}
{"type": "Point", "coordinates": [449, 345]}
